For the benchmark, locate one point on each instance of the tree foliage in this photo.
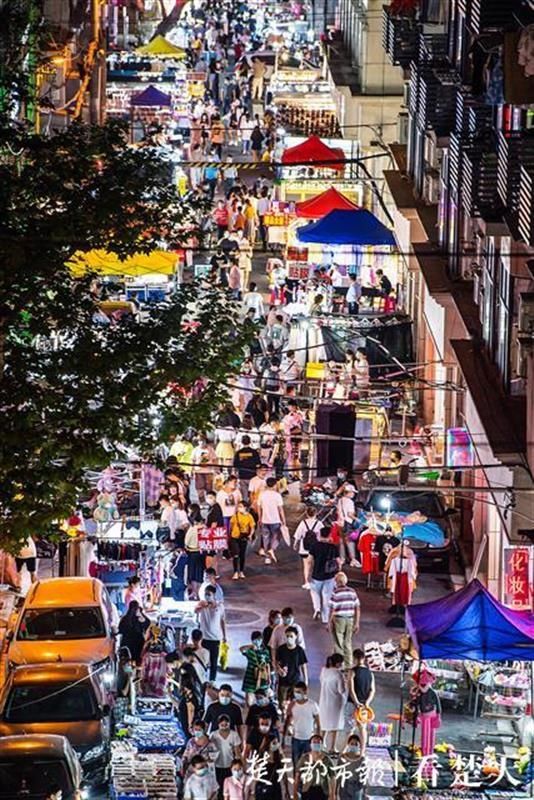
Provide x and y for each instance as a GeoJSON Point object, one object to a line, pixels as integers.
{"type": "Point", "coordinates": [72, 392]}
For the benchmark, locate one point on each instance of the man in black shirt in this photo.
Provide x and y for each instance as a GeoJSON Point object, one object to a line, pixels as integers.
{"type": "Point", "coordinates": [263, 738]}
{"type": "Point", "coordinates": [263, 706]}
{"type": "Point", "coordinates": [224, 705]}
{"type": "Point", "coordinates": [246, 460]}
{"type": "Point", "coordinates": [385, 284]}
{"type": "Point", "coordinates": [326, 562]}
{"type": "Point", "coordinates": [291, 663]}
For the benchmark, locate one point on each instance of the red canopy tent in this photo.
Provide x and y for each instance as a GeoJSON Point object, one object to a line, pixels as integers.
{"type": "Point", "coordinates": [316, 152]}
{"type": "Point", "coordinates": [323, 203]}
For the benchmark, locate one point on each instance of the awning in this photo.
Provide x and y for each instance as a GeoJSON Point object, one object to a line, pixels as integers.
{"type": "Point", "coordinates": [471, 624]}
{"type": "Point", "coordinates": [158, 262]}
{"type": "Point", "coordinates": [323, 203]}
{"type": "Point", "coordinates": [315, 152]}
{"type": "Point", "coordinates": [151, 97]}
{"type": "Point", "coordinates": [358, 228]}
{"type": "Point", "coordinates": [160, 47]}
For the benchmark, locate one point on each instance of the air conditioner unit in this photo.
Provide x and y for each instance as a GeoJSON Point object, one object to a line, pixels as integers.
{"type": "Point", "coordinates": [402, 127]}
{"type": "Point", "coordinates": [431, 189]}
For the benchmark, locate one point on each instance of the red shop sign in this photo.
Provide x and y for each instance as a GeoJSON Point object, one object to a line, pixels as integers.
{"type": "Point", "coordinates": [517, 591]}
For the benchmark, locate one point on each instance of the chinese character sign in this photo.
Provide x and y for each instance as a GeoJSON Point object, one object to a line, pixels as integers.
{"type": "Point", "coordinates": [517, 582]}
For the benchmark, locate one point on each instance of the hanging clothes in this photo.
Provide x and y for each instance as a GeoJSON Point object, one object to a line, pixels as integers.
{"type": "Point", "coordinates": [525, 51]}
{"type": "Point", "coordinates": [402, 573]}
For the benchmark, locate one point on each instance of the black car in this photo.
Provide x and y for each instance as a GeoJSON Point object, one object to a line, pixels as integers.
{"type": "Point", "coordinates": [429, 503]}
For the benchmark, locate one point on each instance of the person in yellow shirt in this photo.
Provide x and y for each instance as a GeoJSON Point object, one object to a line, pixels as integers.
{"type": "Point", "coordinates": [242, 526]}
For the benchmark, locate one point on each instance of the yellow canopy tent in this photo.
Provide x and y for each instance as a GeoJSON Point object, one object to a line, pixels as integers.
{"type": "Point", "coordinates": [157, 262]}
{"type": "Point", "coordinates": [161, 48]}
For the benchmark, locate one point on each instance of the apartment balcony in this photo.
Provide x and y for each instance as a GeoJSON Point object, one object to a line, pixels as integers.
{"type": "Point", "coordinates": [526, 204]}
{"type": "Point", "coordinates": [473, 175]}
{"type": "Point", "coordinates": [433, 90]}
{"type": "Point", "coordinates": [486, 15]}
{"type": "Point", "coordinates": [400, 38]}
{"type": "Point", "coordinates": [514, 150]}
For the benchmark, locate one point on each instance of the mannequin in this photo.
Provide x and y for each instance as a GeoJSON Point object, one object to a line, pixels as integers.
{"type": "Point", "coordinates": [401, 569]}
{"type": "Point", "coordinates": [428, 710]}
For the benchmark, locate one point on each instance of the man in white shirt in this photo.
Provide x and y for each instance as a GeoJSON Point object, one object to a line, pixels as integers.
{"type": "Point", "coordinates": [212, 623]}
{"type": "Point", "coordinates": [271, 518]}
{"type": "Point", "coordinates": [168, 518]}
{"type": "Point", "coordinates": [228, 498]}
{"type": "Point", "coordinates": [290, 369]}
{"type": "Point", "coordinates": [210, 581]}
{"type": "Point", "coordinates": [253, 300]}
{"type": "Point", "coordinates": [346, 514]}
{"type": "Point", "coordinates": [278, 636]}
{"type": "Point", "coordinates": [201, 657]}
{"type": "Point", "coordinates": [303, 714]}
{"type": "Point", "coordinates": [354, 293]}
{"type": "Point", "coordinates": [257, 485]}
{"type": "Point", "coordinates": [27, 555]}
{"type": "Point", "coordinates": [201, 783]}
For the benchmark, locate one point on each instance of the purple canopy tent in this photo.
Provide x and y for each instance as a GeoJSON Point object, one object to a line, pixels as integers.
{"type": "Point", "coordinates": [151, 97]}
{"type": "Point", "coordinates": [471, 624]}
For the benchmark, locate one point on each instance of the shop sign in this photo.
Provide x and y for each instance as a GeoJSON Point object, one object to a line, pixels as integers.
{"type": "Point", "coordinates": [518, 576]}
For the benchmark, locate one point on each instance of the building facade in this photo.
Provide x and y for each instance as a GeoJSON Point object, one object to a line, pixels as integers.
{"type": "Point", "coordinates": [463, 203]}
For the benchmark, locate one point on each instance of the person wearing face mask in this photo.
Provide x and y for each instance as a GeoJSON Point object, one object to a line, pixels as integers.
{"type": "Point", "coordinates": [201, 783]}
{"type": "Point", "coordinates": [303, 715]}
{"type": "Point", "coordinates": [274, 619]}
{"type": "Point", "coordinates": [353, 770]}
{"type": "Point", "coordinates": [228, 744]}
{"type": "Point", "coordinates": [262, 705]}
{"type": "Point", "coordinates": [212, 623]}
{"type": "Point", "coordinates": [199, 745]}
{"type": "Point", "coordinates": [279, 634]}
{"type": "Point", "coordinates": [314, 774]}
{"type": "Point", "coordinates": [258, 670]}
{"type": "Point", "coordinates": [332, 700]}
{"type": "Point", "coordinates": [234, 787]}
{"type": "Point", "coordinates": [225, 705]}
{"type": "Point", "coordinates": [210, 581]}
{"type": "Point", "coordinates": [291, 665]}
{"type": "Point", "coordinates": [263, 739]}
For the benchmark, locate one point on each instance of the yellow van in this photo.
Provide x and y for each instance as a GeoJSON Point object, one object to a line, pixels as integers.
{"type": "Point", "coordinates": [65, 620]}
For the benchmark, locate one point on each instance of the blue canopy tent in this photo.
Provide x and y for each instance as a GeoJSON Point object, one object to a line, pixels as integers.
{"type": "Point", "coordinates": [471, 624]}
{"type": "Point", "coordinates": [356, 227]}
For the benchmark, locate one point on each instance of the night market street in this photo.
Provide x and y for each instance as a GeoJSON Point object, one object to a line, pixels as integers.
{"type": "Point", "coordinates": [266, 384]}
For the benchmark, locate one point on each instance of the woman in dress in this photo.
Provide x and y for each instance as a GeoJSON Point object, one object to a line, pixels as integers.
{"type": "Point", "coordinates": [332, 700]}
{"type": "Point", "coordinates": [132, 628]}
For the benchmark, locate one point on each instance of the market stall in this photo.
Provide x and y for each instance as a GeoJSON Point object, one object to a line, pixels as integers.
{"type": "Point", "coordinates": [323, 203]}
{"type": "Point", "coordinates": [463, 637]}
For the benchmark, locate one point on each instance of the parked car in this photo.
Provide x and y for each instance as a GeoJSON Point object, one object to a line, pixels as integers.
{"type": "Point", "coordinates": [34, 765]}
{"type": "Point", "coordinates": [431, 504]}
{"type": "Point", "coordinates": [64, 619]}
{"type": "Point", "coordinates": [60, 699]}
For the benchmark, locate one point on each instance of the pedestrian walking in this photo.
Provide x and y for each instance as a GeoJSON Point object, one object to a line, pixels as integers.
{"type": "Point", "coordinates": [132, 628]}
{"type": "Point", "coordinates": [211, 621]}
{"type": "Point", "coordinates": [305, 535]}
{"type": "Point", "coordinates": [344, 620]}
{"type": "Point", "coordinates": [258, 670]}
{"type": "Point", "coordinates": [302, 716]}
{"type": "Point", "coordinates": [361, 690]}
{"type": "Point", "coordinates": [271, 518]}
{"type": "Point", "coordinates": [314, 774]}
{"type": "Point", "coordinates": [291, 665]}
{"type": "Point", "coordinates": [352, 767]}
{"type": "Point", "coordinates": [242, 527]}
{"type": "Point", "coordinates": [332, 700]}
{"type": "Point", "coordinates": [228, 746]}
{"type": "Point", "coordinates": [326, 563]}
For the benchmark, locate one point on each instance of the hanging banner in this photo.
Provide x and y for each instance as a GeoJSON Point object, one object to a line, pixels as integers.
{"type": "Point", "coordinates": [518, 575]}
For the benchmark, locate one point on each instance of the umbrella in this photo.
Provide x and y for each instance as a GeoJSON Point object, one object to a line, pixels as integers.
{"type": "Point", "coordinates": [358, 227]}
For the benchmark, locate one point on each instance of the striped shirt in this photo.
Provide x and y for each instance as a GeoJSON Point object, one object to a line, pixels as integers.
{"type": "Point", "coordinates": [344, 601]}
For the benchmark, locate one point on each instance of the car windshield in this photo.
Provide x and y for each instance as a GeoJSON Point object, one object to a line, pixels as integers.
{"type": "Point", "coordinates": [51, 702]}
{"type": "Point", "coordinates": [61, 623]}
{"type": "Point", "coordinates": [33, 778]}
{"type": "Point", "coordinates": [428, 503]}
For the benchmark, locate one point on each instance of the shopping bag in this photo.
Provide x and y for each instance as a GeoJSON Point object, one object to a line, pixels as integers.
{"type": "Point", "coordinates": [224, 652]}
{"type": "Point", "coordinates": [284, 530]}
